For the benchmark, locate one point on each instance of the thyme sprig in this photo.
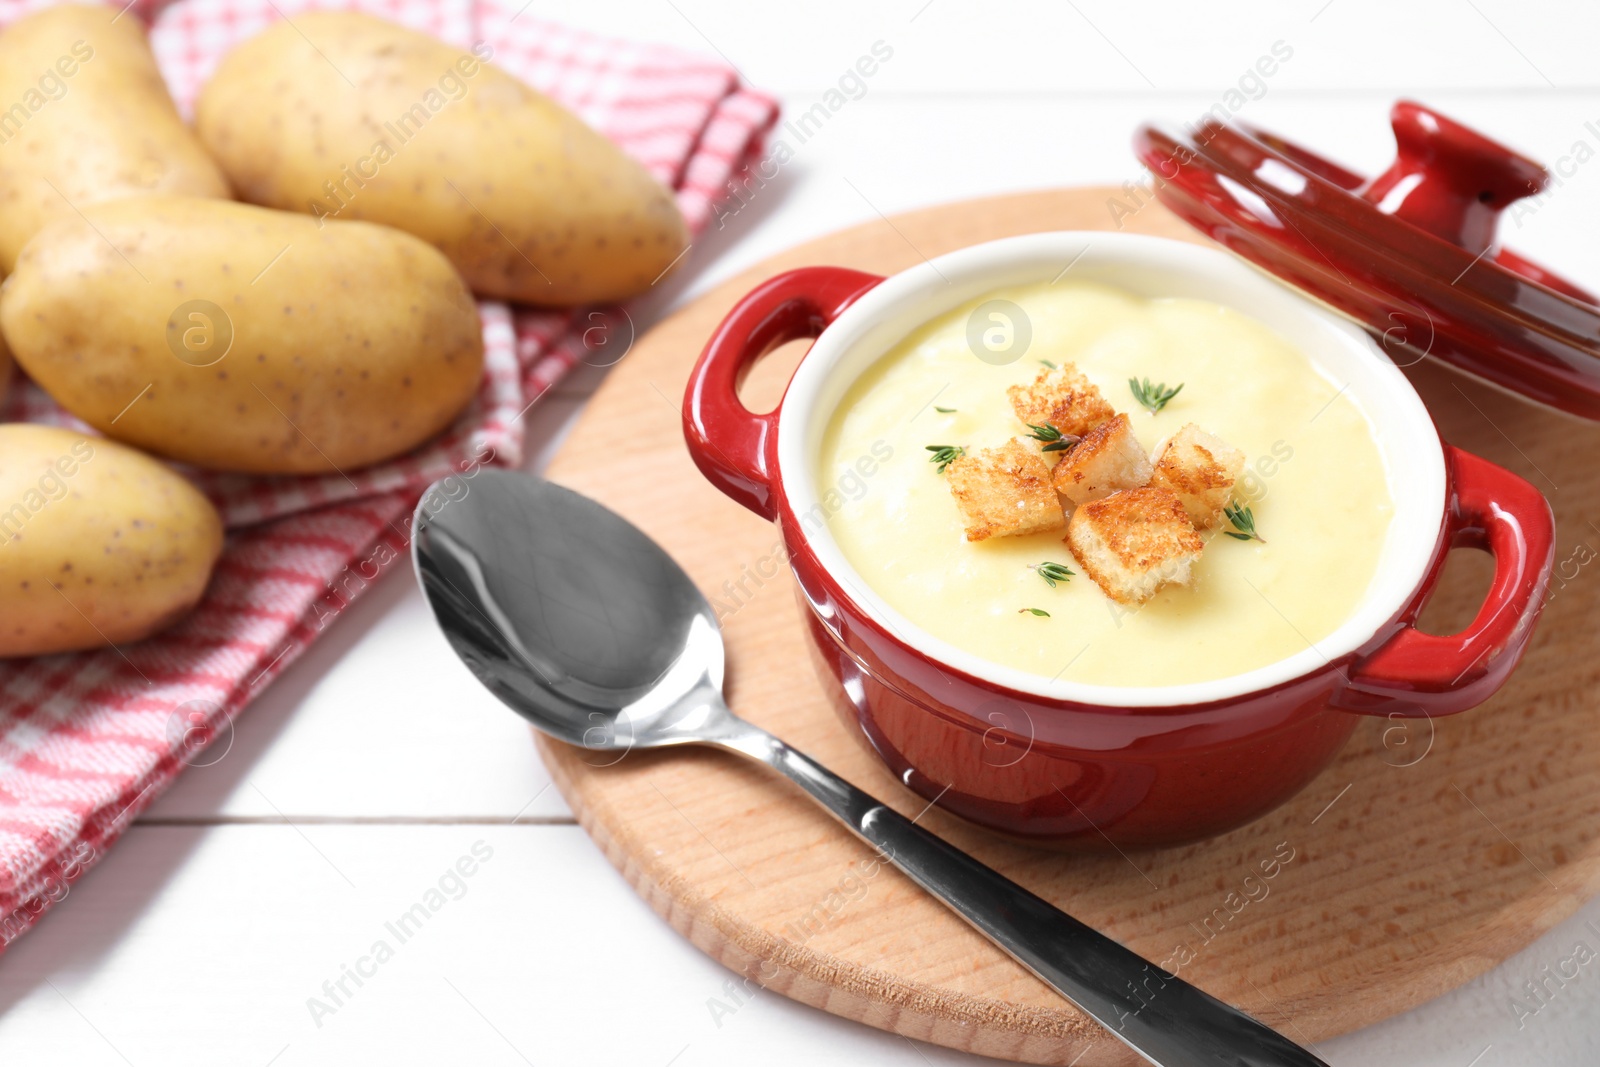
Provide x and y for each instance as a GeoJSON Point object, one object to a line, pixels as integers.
{"type": "Point", "coordinates": [1244, 523]}
{"type": "Point", "coordinates": [1054, 439]}
{"type": "Point", "coordinates": [1052, 572]}
{"type": "Point", "coordinates": [1153, 397]}
{"type": "Point", "coordinates": [944, 455]}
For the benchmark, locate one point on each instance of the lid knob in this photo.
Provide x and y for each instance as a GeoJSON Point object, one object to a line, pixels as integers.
{"type": "Point", "coordinates": [1450, 180]}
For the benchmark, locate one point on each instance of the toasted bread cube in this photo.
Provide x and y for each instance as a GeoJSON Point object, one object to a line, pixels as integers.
{"type": "Point", "coordinates": [1107, 459]}
{"type": "Point", "coordinates": [1201, 470]}
{"type": "Point", "coordinates": [1004, 492]}
{"type": "Point", "coordinates": [1062, 398]}
{"type": "Point", "coordinates": [1133, 542]}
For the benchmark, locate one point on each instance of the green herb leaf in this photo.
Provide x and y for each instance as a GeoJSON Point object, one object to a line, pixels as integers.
{"type": "Point", "coordinates": [1153, 397]}
{"type": "Point", "coordinates": [1034, 611]}
{"type": "Point", "coordinates": [1049, 364]}
{"type": "Point", "coordinates": [944, 411]}
{"type": "Point", "coordinates": [1052, 572]}
{"type": "Point", "coordinates": [1055, 440]}
{"type": "Point", "coordinates": [944, 455]}
{"type": "Point", "coordinates": [1243, 521]}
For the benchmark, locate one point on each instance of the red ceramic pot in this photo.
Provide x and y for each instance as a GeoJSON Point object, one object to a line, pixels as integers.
{"type": "Point", "coordinates": [1065, 764]}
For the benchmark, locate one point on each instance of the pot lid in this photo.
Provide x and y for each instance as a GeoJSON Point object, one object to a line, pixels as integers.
{"type": "Point", "coordinates": [1410, 255]}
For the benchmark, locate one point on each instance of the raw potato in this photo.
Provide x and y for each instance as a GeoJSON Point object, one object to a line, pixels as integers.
{"type": "Point", "coordinates": [243, 339]}
{"type": "Point", "coordinates": [98, 543]}
{"type": "Point", "coordinates": [84, 117]}
{"type": "Point", "coordinates": [527, 201]}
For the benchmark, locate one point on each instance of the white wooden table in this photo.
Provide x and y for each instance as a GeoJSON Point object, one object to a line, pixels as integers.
{"type": "Point", "coordinates": [375, 763]}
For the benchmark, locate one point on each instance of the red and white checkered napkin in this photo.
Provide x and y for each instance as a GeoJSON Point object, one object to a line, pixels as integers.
{"type": "Point", "coordinates": [86, 741]}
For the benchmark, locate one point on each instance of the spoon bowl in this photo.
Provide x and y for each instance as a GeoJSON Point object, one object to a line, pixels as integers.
{"type": "Point", "coordinates": [576, 620]}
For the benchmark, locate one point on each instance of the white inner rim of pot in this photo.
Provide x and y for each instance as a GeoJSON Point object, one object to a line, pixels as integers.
{"type": "Point", "coordinates": [1148, 267]}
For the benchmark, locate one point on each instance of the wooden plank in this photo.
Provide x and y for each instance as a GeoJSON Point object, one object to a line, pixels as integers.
{"type": "Point", "coordinates": [242, 925]}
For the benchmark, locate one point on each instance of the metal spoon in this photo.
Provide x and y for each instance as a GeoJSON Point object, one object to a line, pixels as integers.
{"type": "Point", "coordinates": [585, 627]}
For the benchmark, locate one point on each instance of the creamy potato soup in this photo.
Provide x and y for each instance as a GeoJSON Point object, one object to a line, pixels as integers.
{"type": "Point", "coordinates": [1313, 479]}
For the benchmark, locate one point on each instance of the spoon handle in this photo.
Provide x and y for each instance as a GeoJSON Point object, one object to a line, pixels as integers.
{"type": "Point", "coordinates": [1165, 1019]}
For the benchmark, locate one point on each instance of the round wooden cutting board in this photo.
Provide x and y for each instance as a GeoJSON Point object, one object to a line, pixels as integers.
{"type": "Point", "coordinates": [1426, 854]}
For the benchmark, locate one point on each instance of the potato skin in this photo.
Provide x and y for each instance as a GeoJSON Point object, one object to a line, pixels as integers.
{"type": "Point", "coordinates": [86, 118]}
{"type": "Point", "coordinates": [99, 543]}
{"type": "Point", "coordinates": [238, 338]}
{"type": "Point", "coordinates": [438, 143]}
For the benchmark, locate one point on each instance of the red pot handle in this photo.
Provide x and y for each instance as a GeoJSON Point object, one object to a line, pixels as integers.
{"type": "Point", "coordinates": [1413, 673]}
{"type": "Point", "coordinates": [731, 444]}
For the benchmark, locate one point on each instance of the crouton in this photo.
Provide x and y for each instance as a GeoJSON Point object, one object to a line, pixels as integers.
{"type": "Point", "coordinates": [1107, 459]}
{"type": "Point", "coordinates": [1062, 398]}
{"type": "Point", "coordinates": [1133, 542]}
{"type": "Point", "coordinates": [1004, 492]}
{"type": "Point", "coordinates": [1201, 470]}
